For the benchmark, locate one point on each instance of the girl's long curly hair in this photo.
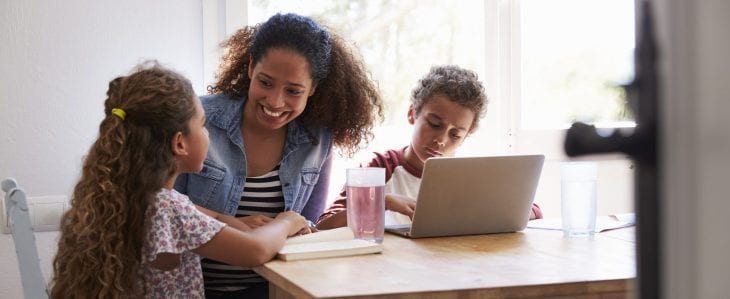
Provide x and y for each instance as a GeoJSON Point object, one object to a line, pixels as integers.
{"type": "Point", "coordinates": [102, 234]}
{"type": "Point", "coordinates": [345, 101]}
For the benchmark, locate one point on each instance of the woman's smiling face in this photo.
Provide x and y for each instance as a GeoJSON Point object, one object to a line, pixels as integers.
{"type": "Point", "coordinates": [280, 86]}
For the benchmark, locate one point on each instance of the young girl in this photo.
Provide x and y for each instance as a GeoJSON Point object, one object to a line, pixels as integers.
{"type": "Point", "coordinates": [446, 106]}
{"type": "Point", "coordinates": [128, 233]}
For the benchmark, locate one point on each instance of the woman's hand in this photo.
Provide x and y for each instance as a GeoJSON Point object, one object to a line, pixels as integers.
{"type": "Point", "coordinates": [255, 220]}
{"type": "Point", "coordinates": [297, 222]}
{"type": "Point", "coordinates": [310, 228]}
{"type": "Point", "coordinates": [401, 204]}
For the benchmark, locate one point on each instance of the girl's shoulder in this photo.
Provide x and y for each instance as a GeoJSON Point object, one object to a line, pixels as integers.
{"type": "Point", "coordinates": [169, 200]}
{"type": "Point", "coordinates": [174, 207]}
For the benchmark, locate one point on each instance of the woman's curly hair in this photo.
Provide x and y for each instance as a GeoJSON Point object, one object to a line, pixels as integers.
{"type": "Point", "coordinates": [460, 85]}
{"type": "Point", "coordinates": [345, 101]}
{"type": "Point", "coordinates": [102, 234]}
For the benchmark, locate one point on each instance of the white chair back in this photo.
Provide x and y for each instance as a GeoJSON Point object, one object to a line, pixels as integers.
{"type": "Point", "coordinates": [34, 285]}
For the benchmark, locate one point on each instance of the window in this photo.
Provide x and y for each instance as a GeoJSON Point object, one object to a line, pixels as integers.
{"type": "Point", "coordinates": [575, 53]}
{"type": "Point", "coordinates": [544, 63]}
{"type": "Point", "coordinates": [573, 56]}
{"type": "Point", "coordinates": [567, 59]}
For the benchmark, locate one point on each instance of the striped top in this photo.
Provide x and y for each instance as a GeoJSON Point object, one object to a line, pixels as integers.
{"type": "Point", "coordinates": [262, 195]}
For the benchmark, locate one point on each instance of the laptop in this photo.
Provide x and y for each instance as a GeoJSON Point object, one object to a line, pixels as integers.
{"type": "Point", "coordinates": [474, 195]}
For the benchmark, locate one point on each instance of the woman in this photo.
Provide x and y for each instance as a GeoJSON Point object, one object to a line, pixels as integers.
{"type": "Point", "coordinates": [287, 91]}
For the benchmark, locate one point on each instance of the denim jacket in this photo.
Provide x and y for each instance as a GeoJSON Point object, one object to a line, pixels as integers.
{"type": "Point", "coordinates": [304, 170]}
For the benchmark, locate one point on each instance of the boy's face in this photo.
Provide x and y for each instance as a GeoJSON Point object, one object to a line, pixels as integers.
{"type": "Point", "coordinates": [439, 129]}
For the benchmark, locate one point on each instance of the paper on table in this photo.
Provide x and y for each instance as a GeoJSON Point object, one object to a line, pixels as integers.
{"type": "Point", "coordinates": [603, 223]}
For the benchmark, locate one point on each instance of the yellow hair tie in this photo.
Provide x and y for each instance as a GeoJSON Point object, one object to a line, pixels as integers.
{"type": "Point", "coordinates": [119, 112]}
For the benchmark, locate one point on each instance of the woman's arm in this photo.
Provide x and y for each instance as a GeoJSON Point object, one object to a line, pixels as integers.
{"type": "Point", "coordinates": [255, 221]}
{"type": "Point", "coordinates": [335, 220]}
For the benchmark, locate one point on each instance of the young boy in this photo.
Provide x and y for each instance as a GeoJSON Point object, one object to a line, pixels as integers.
{"type": "Point", "coordinates": [446, 106]}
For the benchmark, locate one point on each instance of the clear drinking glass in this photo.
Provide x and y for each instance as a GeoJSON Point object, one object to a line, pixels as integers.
{"type": "Point", "coordinates": [366, 202]}
{"type": "Point", "coordinates": [578, 198]}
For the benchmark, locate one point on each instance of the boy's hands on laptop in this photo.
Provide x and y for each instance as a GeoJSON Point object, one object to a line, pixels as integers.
{"type": "Point", "coordinates": [401, 204]}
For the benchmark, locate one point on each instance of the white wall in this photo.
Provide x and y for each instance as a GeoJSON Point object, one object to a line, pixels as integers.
{"type": "Point", "coordinates": [57, 58]}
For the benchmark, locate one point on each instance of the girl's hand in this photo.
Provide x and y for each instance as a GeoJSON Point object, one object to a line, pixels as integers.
{"type": "Point", "coordinates": [296, 222]}
{"type": "Point", "coordinates": [255, 220]}
{"type": "Point", "coordinates": [401, 204]}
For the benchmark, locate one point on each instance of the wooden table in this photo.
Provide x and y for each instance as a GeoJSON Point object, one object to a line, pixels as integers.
{"type": "Point", "coordinates": [529, 264]}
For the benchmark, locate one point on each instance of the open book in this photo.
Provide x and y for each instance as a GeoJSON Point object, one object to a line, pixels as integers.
{"type": "Point", "coordinates": [603, 223]}
{"type": "Point", "coordinates": [326, 243]}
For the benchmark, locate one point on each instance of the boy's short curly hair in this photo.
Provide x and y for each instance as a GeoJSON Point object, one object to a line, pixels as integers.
{"type": "Point", "coordinates": [460, 85]}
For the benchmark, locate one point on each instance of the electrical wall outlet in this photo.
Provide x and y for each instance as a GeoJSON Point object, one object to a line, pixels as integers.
{"type": "Point", "coordinates": [44, 211]}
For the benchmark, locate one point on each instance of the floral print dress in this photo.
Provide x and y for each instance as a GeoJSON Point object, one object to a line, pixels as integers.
{"type": "Point", "coordinates": [176, 226]}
